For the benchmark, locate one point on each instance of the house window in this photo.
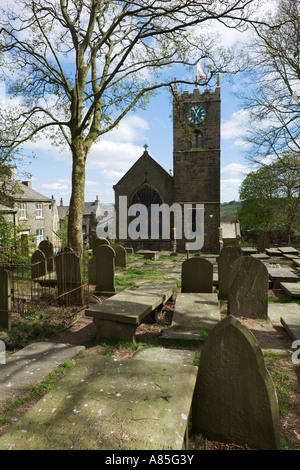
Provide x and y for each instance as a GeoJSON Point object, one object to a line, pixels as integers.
{"type": "Point", "coordinates": [39, 235]}
{"type": "Point", "coordinates": [22, 210]}
{"type": "Point", "coordinates": [39, 210]}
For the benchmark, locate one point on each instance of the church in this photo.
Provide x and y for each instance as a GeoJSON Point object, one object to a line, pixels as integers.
{"type": "Point", "coordinates": [196, 173]}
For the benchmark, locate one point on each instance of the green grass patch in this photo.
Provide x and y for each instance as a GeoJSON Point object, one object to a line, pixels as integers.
{"type": "Point", "coordinates": [284, 378]}
{"type": "Point", "coordinates": [8, 413]}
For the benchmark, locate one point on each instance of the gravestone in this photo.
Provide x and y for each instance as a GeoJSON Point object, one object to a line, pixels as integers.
{"type": "Point", "coordinates": [99, 242]}
{"type": "Point", "coordinates": [228, 256]}
{"type": "Point", "coordinates": [235, 399]}
{"type": "Point", "coordinates": [38, 264]}
{"type": "Point", "coordinates": [47, 248]}
{"type": "Point", "coordinates": [105, 270]}
{"type": "Point", "coordinates": [197, 275]}
{"type": "Point", "coordinates": [5, 299]}
{"type": "Point", "coordinates": [69, 280]}
{"type": "Point", "coordinates": [92, 270]}
{"type": "Point", "coordinates": [263, 243]}
{"type": "Point", "coordinates": [248, 288]}
{"type": "Point", "coordinates": [120, 256]}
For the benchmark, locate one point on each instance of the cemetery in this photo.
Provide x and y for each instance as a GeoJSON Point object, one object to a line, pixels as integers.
{"type": "Point", "coordinates": [162, 350]}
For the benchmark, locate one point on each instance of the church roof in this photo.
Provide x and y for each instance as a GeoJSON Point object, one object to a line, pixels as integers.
{"type": "Point", "coordinates": [145, 161]}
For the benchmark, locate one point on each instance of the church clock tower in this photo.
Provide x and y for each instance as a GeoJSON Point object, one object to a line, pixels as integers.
{"type": "Point", "coordinates": [196, 158]}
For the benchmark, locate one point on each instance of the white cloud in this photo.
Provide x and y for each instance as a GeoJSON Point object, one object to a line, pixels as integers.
{"type": "Point", "coordinates": [230, 189]}
{"type": "Point", "coordinates": [235, 127]}
{"type": "Point", "coordinates": [235, 169]}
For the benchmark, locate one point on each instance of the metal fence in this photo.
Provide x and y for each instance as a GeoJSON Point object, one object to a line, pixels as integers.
{"type": "Point", "coordinates": [60, 280]}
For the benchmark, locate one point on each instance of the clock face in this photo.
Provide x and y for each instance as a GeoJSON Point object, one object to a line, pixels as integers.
{"type": "Point", "coordinates": [196, 114]}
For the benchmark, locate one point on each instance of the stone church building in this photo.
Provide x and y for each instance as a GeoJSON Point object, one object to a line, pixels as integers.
{"type": "Point", "coordinates": [196, 172]}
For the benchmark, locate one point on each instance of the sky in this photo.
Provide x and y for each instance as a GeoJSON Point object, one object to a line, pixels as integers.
{"type": "Point", "coordinates": [118, 150]}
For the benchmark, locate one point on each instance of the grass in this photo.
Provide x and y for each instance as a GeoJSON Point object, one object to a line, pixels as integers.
{"type": "Point", "coordinates": [284, 378]}
{"type": "Point", "coordinates": [7, 415]}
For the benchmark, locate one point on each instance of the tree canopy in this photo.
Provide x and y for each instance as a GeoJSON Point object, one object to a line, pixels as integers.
{"type": "Point", "coordinates": [272, 97]}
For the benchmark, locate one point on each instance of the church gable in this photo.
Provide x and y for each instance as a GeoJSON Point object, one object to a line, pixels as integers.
{"type": "Point", "coordinates": [146, 171]}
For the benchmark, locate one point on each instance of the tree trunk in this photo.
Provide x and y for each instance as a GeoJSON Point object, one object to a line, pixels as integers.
{"type": "Point", "coordinates": [75, 237]}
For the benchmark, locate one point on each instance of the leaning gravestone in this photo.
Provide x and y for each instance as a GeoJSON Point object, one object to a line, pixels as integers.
{"type": "Point", "coordinates": [105, 270]}
{"type": "Point", "coordinates": [69, 280]}
{"type": "Point", "coordinates": [225, 262]}
{"type": "Point", "coordinates": [99, 242]}
{"type": "Point", "coordinates": [263, 242]}
{"type": "Point", "coordinates": [235, 399]}
{"type": "Point", "coordinates": [5, 299]}
{"type": "Point", "coordinates": [120, 256]}
{"type": "Point", "coordinates": [47, 248]}
{"type": "Point", "coordinates": [248, 288]}
{"type": "Point", "coordinates": [38, 264]}
{"type": "Point", "coordinates": [92, 270]}
{"type": "Point", "coordinates": [197, 275]}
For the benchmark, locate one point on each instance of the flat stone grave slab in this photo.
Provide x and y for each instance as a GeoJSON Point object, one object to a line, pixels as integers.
{"type": "Point", "coordinates": [291, 288]}
{"type": "Point", "coordinates": [296, 262]}
{"type": "Point", "coordinates": [105, 403]}
{"type": "Point", "coordinates": [119, 316]}
{"type": "Point", "coordinates": [246, 250]}
{"type": "Point", "coordinates": [177, 356]}
{"type": "Point", "coordinates": [291, 324]}
{"type": "Point", "coordinates": [273, 252]}
{"type": "Point", "coordinates": [278, 275]}
{"type": "Point", "coordinates": [48, 280]}
{"type": "Point", "coordinates": [196, 310]}
{"type": "Point", "coordinates": [148, 254]}
{"type": "Point", "coordinates": [278, 310]}
{"type": "Point", "coordinates": [260, 256]}
{"type": "Point", "coordinates": [288, 250]}
{"type": "Point", "coordinates": [30, 365]}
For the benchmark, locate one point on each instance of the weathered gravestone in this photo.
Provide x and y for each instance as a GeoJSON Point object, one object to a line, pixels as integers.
{"type": "Point", "coordinates": [99, 242]}
{"type": "Point", "coordinates": [235, 399]}
{"type": "Point", "coordinates": [197, 275]}
{"type": "Point", "coordinates": [5, 299]}
{"type": "Point", "coordinates": [228, 256]}
{"type": "Point", "coordinates": [92, 270]}
{"type": "Point", "coordinates": [69, 279]}
{"type": "Point", "coordinates": [47, 248]}
{"type": "Point", "coordinates": [263, 243]}
{"type": "Point", "coordinates": [38, 264]}
{"type": "Point", "coordinates": [105, 270]}
{"type": "Point", "coordinates": [120, 256]}
{"type": "Point", "coordinates": [248, 288]}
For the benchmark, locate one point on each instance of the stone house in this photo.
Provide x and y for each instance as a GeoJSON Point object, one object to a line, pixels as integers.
{"type": "Point", "coordinates": [32, 213]}
{"type": "Point", "coordinates": [91, 216]}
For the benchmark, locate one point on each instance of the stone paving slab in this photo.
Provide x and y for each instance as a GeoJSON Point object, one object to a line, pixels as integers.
{"type": "Point", "coordinates": [197, 310]}
{"type": "Point", "coordinates": [291, 288]}
{"type": "Point", "coordinates": [105, 403]}
{"type": "Point", "coordinates": [30, 365]}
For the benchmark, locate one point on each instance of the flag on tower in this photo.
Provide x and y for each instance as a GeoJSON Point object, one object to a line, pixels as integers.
{"type": "Point", "coordinates": [200, 71]}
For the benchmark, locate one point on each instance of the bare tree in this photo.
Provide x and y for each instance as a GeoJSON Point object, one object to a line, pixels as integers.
{"type": "Point", "coordinates": [79, 66]}
{"type": "Point", "coordinates": [273, 96]}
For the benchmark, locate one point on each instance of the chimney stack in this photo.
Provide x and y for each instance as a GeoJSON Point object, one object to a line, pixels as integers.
{"type": "Point", "coordinates": [61, 201]}
{"type": "Point", "coordinates": [27, 183]}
